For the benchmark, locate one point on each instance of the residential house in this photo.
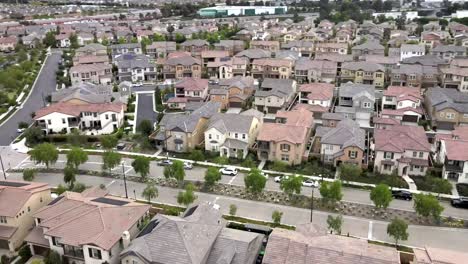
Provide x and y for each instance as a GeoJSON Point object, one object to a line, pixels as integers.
{"type": "Point", "coordinates": [448, 52]}
{"type": "Point", "coordinates": [318, 95]}
{"type": "Point", "coordinates": [271, 46]}
{"type": "Point", "coordinates": [327, 47]}
{"type": "Point", "coordinates": [235, 92]}
{"type": "Point", "coordinates": [308, 71]}
{"type": "Point", "coordinates": [287, 138]}
{"type": "Point", "coordinates": [8, 43]}
{"type": "Point", "coordinates": [272, 68]}
{"type": "Point", "coordinates": [200, 235]}
{"type": "Point", "coordinates": [231, 46]}
{"type": "Point", "coordinates": [315, 243]}
{"type": "Point", "coordinates": [232, 135]}
{"type": "Point", "coordinates": [274, 95]}
{"type": "Point", "coordinates": [403, 103]}
{"type": "Point", "coordinates": [356, 102]}
{"type": "Point", "coordinates": [430, 255]}
{"type": "Point", "coordinates": [446, 108]}
{"type": "Point", "coordinates": [304, 47]}
{"type": "Point", "coordinates": [339, 59]}
{"type": "Point", "coordinates": [195, 46]}
{"type": "Point", "coordinates": [253, 54]}
{"type": "Point", "coordinates": [344, 143]}
{"type": "Point", "coordinates": [121, 49]}
{"type": "Point", "coordinates": [455, 78]}
{"type": "Point", "coordinates": [227, 67]}
{"type": "Point", "coordinates": [180, 65]}
{"type": "Point", "coordinates": [160, 49]}
{"type": "Point", "coordinates": [85, 93]}
{"type": "Point", "coordinates": [411, 50]}
{"type": "Point", "coordinates": [191, 89]}
{"type": "Point", "coordinates": [94, 73]}
{"type": "Point", "coordinates": [18, 202]}
{"type": "Point", "coordinates": [414, 75]}
{"type": "Point", "coordinates": [363, 73]}
{"type": "Point", "coordinates": [368, 48]}
{"type": "Point", "coordinates": [208, 56]}
{"type": "Point", "coordinates": [89, 227]}
{"type": "Point", "coordinates": [433, 39]}
{"type": "Point", "coordinates": [401, 149]}
{"type": "Point", "coordinates": [93, 119]}
{"type": "Point", "coordinates": [135, 68]}
{"type": "Point", "coordinates": [453, 155]}
{"type": "Point", "coordinates": [182, 132]}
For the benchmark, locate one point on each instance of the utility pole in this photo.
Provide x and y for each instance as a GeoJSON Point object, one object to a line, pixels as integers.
{"type": "Point", "coordinates": [312, 204]}
{"type": "Point", "coordinates": [125, 179]}
{"type": "Point", "coordinates": [3, 168]}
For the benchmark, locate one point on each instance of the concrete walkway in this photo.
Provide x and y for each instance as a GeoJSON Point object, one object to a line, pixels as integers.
{"type": "Point", "coordinates": [262, 164]}
{"type": "Point", "coordinates": [454, 189]}
{"type": "Point", "coordinates": [411, 185]}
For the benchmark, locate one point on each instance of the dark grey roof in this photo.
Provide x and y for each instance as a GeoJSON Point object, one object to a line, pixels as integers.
{"type": "Point", "coordinates": [449, 48]}
{"type": "Point", "coordinates": [254, 54]}
{"type": "Point", "coordinates": [235, 144]}
{"type": "Point", "coordinates": [413, 48]}
{"type": "Point", "coordinates": [188, 122]}
{"type": "Point", "coordinates": [88, 92]}
{"type": "Point", "coordinates": [132, 61]}
{"type": "Point", "coordinates": [442, 98]}
{"type": "Point", "coordinates": [126, 46]}
{"type": "Point", "coordinates": [362, 65]}
{"type": "Point", "coordinates": [195, 42]}
{"type": "Point", "coordinates": [369, 45]}
{"type": "Point", "coordinates": [277, 87]}
{"type": "Point", "coordinates": [346, 133]}
{"type": "Point", "coordinates": [426, 60]}
{"type": "Point", "coordinates": [355, 90]}
{"type": "Point", "coordinates": [226, 123]}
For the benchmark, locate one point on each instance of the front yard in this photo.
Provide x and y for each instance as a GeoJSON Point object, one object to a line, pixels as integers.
{"type": "Point", "coordinates": [432, 184]}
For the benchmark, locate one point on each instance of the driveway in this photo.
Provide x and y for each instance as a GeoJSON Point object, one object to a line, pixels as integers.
{"type": "Point", "coordinates": [45, 85]}
{"type": "Point", "coordinates": [145, 108]}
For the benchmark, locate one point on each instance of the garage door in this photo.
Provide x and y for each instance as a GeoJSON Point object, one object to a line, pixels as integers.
{"type": "Point", "coordinates": [4, 244]}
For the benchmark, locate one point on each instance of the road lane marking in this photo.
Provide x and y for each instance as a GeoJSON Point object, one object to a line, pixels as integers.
{"type": "Point", "coordinates": [369, 234]}
{"type": "Point", "coordinates": [231, 180]}
{"type": "Point", "coordinates": [127, 171]}
{"type": "Point", "coordinates": [21, 163]}
{"type": "Point", "coordinates": [110, 183]}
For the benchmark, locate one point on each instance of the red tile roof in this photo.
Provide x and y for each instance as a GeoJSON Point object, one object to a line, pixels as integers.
{"type": "Point", "coordinates": [192, 84]}
{"type": "Point", "coordinates": [456, 149]}
{"type": "Point", "coordinates": [295, 130]}
{"type": "Point", "coordinates": [12, 199]}
{"type": "Point", "coordinates": [318, 91]}
{"type": "Point", "coordinates": [399, 138]}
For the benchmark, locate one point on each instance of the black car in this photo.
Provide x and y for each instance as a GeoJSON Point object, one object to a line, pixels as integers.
{"type": "Point", "coordinates": [460, 202]}
{"type": "Point", "coordinates": [403, 195]}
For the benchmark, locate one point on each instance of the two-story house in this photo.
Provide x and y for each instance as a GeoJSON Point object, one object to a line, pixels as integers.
{"type": "Point", "coordinates": [453, 155]}
{"type": "Point", "coordinates": [160, 49]}
{"type": "Point", "coordinates": [231, 46]}
{"type": "Point", "coordinates": [411, 50]}
{"type": "Point", "coordinates": [356, 102]}
{"type": "Point", "coordinates": [368, 48]}
{"type": "Point", "coordinates": [454, 77]}
{"type": "Point", "coordinates": [304, 47]}
{"type": "Point", "coordinates": [126, 48]}
{"type": "Point", "coordinates": [271, 46]}
{"type": "Point", "coordinates": [344, 143]}
{"type": "Point", "coordinates": [274, 95]}
{"type": "Point", "coordinates": [232, 135]}
{"type": "Point", "coordinates": [307, 71]}
{"type": "Point", "coordinates": [448, 52]}
{"type": "Point", "coordinates": [135, 68]}
{"type": "Point", "coordinates": [195, 46]}
{"type": "Point", "coordinates": [191, 89]}
{"type": "Point", "coordinates": [179, 65]}
{"type": "Point", "coordinates": [317, 95]}
{"type": "Point", "coordinates": [327, 47]}
{"type": "Point", "coordinates": [272, 68]}
{"type": "Point", "coordinates": [364, 73]}
{"type": "Point", "coordinates": [87, 228]}
{"type": "Point", "coordinates": [18, 202]}
{"type": "Point", "coordinates": [446, 108]}
{"type": "Point", "coordinates": [92, 119]}
{"type": "Point", "coordinates": [227, 67]}
{"type": "Point", "coordinates": [403, 103]}
{"type": "Point", "coordinates": [94, 73]}
{"type": "Point", "coordinates": [404, 149]}
{"type": "Point", "coordinates": [234, 92]}
{"type": "Point", "coordinates": [287, 138]}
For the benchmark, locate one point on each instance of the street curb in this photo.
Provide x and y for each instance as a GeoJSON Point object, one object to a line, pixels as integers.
{"type": "Point", "coordinates": [30, 92]}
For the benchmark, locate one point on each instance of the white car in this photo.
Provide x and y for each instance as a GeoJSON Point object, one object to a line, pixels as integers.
{"type": "Point", "coordinates": [280, 178]}
{"type": "Point", "coordinates": [188, 165]}
{"type": "Point", "coordinates": [20, 130]}
{"type": "Point", "coordinates": [310, 183]}
{"type": "Point", "coordinates": [228, 171]}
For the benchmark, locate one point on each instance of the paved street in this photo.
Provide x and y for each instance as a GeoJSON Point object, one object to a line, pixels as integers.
{"type": "Point", "coordinates": [145, 108]}
{"type": "Point", "coordinates": [45, 85]}
{"type": "Point", "coordinates": [198, 173]}
{"type": "Point", "coordinates": [420, 236]}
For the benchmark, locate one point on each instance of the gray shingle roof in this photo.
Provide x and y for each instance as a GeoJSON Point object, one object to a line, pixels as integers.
{"type": "Point", "coordinates": [188, 122]}
{"type": "Point", "coordinates": [277, 87]}
{"type": "Point", "coordinates": [254, 54]}
{"type": "Point", "coordinates": [346, 133]}
{"type": "Point", "coordinates": [442, 98]}
{"type": "Point", "coordinates": [226, 123]}
{"type": "Point", "coordinates": [355, 90]}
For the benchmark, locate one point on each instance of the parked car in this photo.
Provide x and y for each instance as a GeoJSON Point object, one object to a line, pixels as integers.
{"type": "Point", "coordinates": [188, 165]}
{"type": "Point", "coordinates": [310, 183]}
{"type": "Point", "coordinates": [228, 171]}
{"type": "Point", "coordinates": [166, 162]}
{"type": "Point", "coordinates": [20, 130]}
{"type": "Point", "coordinates": [402, 195]}
{"type": "Point", "coordinates": [120, 146]}
{"type": "Point", "coordinates": [459, 202]}
{"type": "Point", "coordinates": [280, 178]}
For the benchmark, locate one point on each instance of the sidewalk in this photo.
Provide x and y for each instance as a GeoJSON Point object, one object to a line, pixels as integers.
{"type": "Point", "coordinates": [411, 185]}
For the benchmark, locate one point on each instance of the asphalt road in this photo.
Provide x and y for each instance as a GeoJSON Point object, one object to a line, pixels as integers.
{"type": "Point", "coordinates": [45, 85]}
{"type": "Point", "coordinates": [145, 108]}
{"type": "Point", "coordinates": [420, 236]}
{"type": "Point", "coordinates": [198, 173]}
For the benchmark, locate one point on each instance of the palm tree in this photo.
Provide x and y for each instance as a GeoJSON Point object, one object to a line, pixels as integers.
{"type": "Point", "coordinates": [150, 192]}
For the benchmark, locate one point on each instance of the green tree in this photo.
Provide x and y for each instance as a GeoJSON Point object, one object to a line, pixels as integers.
{"type": "Point", "coordinates": [248, 162]}
{"type": "Point", "coordinates": [232, 209]}
{"type": "Point", "coordinates": [197, 155]}
{"type": "Point", "coordinates": [255, 181]}
{"type": "Point", "coordinates": [109, 141]}
{"type": "Point", "coordinates": [222, 160]}
{"type": "Point", "coordinates": [280, 166]}
{"type": "Point", "coordinates": [76, 156]}
{"type": "Point", "coordinates": [53, 258]}
{"type": "Point", "coordinates": [398, 229]}
{"type": "Point", "coordinates": [179, 38]}
{"type": "Point", "coordinates": [49, 39]}
{"type": "Point", "coordinates": [34, 136]}
{"type": "Point", "coordinates": [212, 176]}
{"type": "Point", "coordinates": [69, 176]}
{"type": "Point", "coordinates": [401, 21]}
{"type": "Point", "coordinates": [178, 171]}
{"type": "Point", "coordinates": [110, 160]}
{"type": "Point", "coordinates": [76, 139]}
{"type": "Point", "coordinates": [141, 165]}
{"type": "Point", "coordinates": [168, 172]}
{"type": "Point", "coordinates": [350, 171]}
{"type": "Point", "coordinates": [45, 153]}
{"type": "Point", "coordinates": [74, 41]}
{"type": "Point", "coordinates": [335, 223]}
{"type": "Point", "coordinates": [188, 196]}
{"type": "Point", "coordinates": [61, 189]}
{"type": "Point", "coordinates": [276, 217]}
{"type": "Point", "coordinates": [25, 253]}
{"type": "Point", "coordinates": [291, 185]}
{"type": "Point", "coordinates": [150, 192]}
{"type": "Point", "coordinates": [381, 196]}
{"type": "Point", "coordinates": [29, 174]}
{"type": "Point", "coordinates": [331, 192]}
{"type": "Point", "coordinates": [427, 205]}
{"type": "Point", "coordinates": [145, 127]}
{"type": "Point", "coordinates": [78, 187]}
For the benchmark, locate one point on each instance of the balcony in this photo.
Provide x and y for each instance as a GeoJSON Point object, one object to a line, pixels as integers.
{"type": "Point", "coordinates": [263, 145]}
{"type": "Point", "coordinates": [453, 166]}
{"type": "Point", "coordinates": [73, 252]}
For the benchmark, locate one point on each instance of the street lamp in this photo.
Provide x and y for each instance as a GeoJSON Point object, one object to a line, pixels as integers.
{"type": "Point", "coordinates": [125, 179]}
{"type": "Point", "coordinates": [312, 204]}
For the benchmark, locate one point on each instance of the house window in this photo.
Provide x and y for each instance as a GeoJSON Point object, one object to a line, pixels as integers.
{"type": "Point", "coordinates": [235, 135]}
{"type": "Point", "coordinates": [3, 219]}
{"type": "Point", "coordinates": [63, 121]}
{"type": "Point", "coordinates": [388, 155]}
{"type": "Point", "coordinates": [387, 167]}
{"type": "Point", "coordinates": [243, 136]}
{"type": "Point", "coordinates": [55, 241]}
{"type": "Point", "coordinates": [107, 116]}
{"type": "Point", "coordinates": [209, 136]}
{"type": "Point", "coordinates": [94, 253]}
{"type": "Point", "coordinates": [421, 154]}
{"type": "Point", "coordinates": [49, 122]}
{"type": "Point", "coordinates": [352, 154]}
{"type": "Point", "coordinates": [415, 154]}
{"type": "Point", "coordinates": [450, 115]}
{"type": "Point", "coordinates": [285, 147]}
{"type": "Point", "coordinates": [366, 105]}
{"type": "Point", "coordinates": [285, 157]}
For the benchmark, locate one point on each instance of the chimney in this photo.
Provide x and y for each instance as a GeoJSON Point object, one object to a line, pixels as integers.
{"type": "Point", "coordinates": [125, 239]}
